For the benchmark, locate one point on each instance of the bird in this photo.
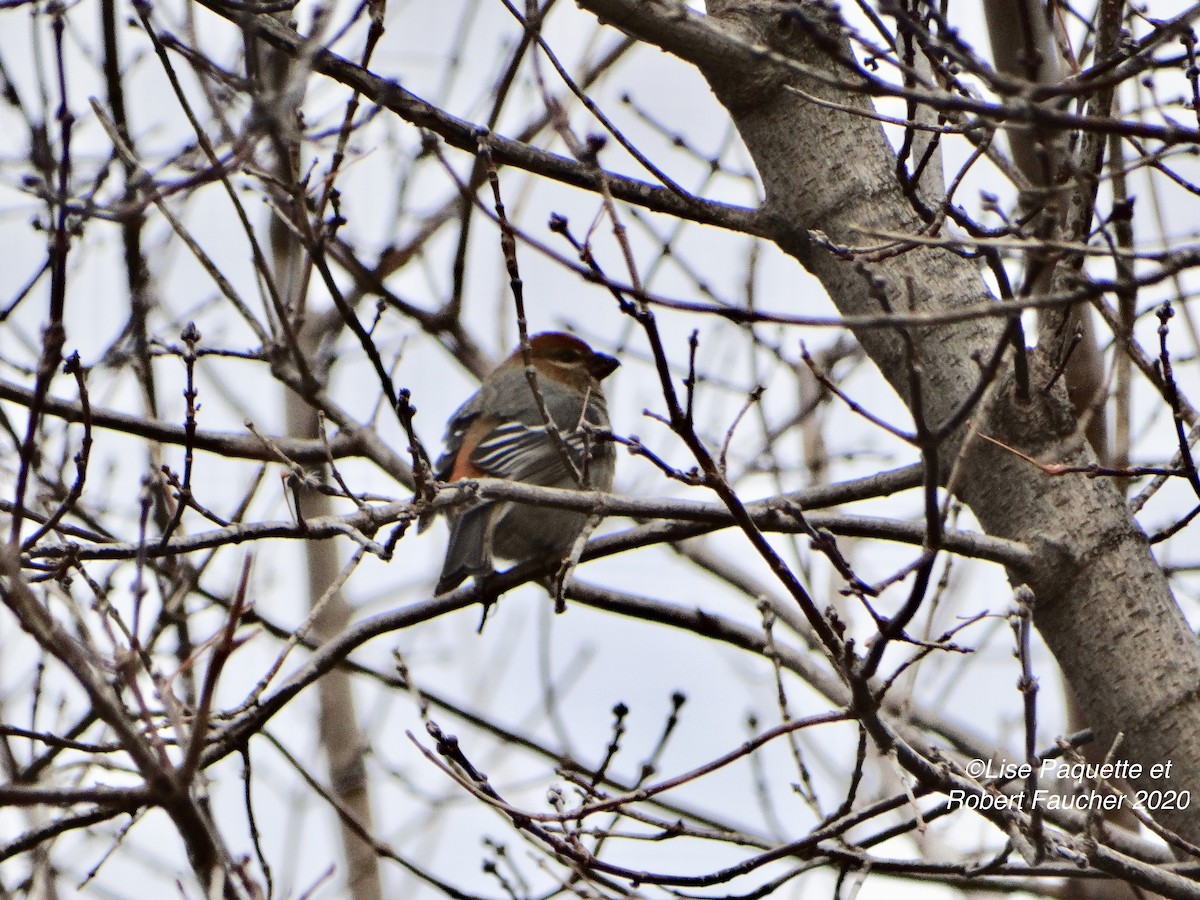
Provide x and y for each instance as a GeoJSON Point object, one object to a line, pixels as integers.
{"type": "Point", "coordinates": [500, 432]}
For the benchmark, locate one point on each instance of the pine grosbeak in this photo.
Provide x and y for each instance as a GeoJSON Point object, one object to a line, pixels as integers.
{"type": "Point", "coordinates": [500, 433]}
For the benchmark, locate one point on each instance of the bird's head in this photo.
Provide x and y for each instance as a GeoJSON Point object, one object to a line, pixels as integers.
{"type": "Point", "coordinates": [566, 359]}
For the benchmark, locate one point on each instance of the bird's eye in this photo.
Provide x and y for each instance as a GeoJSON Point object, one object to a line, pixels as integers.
{"type": "Point", "coordinates": [569, 356]}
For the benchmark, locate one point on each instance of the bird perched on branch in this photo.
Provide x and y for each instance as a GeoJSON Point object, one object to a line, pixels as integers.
{"type": "Point", "coordinates": [501, 432]}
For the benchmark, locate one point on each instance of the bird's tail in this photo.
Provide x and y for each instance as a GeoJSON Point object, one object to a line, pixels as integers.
{"type": "Point", "coordinates": [470, 549]}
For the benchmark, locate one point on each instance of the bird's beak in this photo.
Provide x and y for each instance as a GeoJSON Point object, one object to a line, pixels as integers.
{"type": "Point", "coordinates": [601, 365]}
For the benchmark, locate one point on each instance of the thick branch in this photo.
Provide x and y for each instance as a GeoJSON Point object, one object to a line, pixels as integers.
{"type": "Point", "coordinates": [1104, 605]}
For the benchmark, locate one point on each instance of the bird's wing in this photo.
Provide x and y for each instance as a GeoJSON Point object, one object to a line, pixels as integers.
{"type": "Point", "coordinates": [511, 441]}
{"type": "Point", "coordinates": [524, 452]}
{"type": "Point", "coordinates": [518, 446]}
{"type": "Point", "coordinates": [456, 429]}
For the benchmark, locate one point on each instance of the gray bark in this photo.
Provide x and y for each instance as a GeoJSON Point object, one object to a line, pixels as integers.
{"type": "Point", "coordinates": [1103, 604]}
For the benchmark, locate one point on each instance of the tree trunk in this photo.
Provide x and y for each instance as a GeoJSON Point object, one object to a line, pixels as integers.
{"type": "Point", "coordinates": [1103, 604]}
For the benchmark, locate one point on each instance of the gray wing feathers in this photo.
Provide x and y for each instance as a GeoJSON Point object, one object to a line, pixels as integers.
{"type": "Point", "coordinates": [524, 453]}
{"type": "Point", "coordinates": [455, 429]}
{"type": "Point", "coordinates": [520, 448]}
